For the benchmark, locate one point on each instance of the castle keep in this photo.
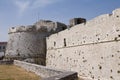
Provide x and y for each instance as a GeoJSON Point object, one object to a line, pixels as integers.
{"type": "Point", "coordinates": [91, 48]}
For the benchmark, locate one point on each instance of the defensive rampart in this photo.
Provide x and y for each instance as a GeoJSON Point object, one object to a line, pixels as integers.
{"type": "Point", "coordinates": [92, 49]}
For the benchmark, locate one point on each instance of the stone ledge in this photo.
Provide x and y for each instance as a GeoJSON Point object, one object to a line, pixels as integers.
{"type": "Point", "coordinates": [64, 76]}
{"type": "Point", "coordinates": [47, 73]}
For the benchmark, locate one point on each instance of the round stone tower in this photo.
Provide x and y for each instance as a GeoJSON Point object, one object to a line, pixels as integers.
{"type": "Point", "coordinates": [28, 43]}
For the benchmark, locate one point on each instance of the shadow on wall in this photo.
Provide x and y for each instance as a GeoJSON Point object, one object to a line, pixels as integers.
{"type": "Point", "coordinates": [1, 55]}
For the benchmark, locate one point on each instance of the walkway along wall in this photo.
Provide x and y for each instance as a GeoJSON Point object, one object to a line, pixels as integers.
{"type": "Point", "coordinates": [92, 49]}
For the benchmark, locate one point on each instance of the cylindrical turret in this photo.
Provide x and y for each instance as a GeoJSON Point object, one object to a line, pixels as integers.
{"type": "Point", "coordinates": [28, 43]}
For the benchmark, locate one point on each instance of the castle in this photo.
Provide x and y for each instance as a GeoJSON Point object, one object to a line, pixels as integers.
{"type": "Point", "coordinates": [91, 48]}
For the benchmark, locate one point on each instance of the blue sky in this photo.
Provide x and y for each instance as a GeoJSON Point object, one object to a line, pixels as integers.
{"type": "Point", "coordinates": [26, 12]}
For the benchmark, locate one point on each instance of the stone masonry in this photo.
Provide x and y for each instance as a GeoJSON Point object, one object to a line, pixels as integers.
{"type": "Point", "coordinates": [28, 43]}
{"type": "Point", "coordinates": [47, 73]}
{"type": "Point", "coordinates": [91, 49]}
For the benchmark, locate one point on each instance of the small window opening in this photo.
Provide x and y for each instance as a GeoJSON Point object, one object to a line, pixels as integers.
{"type": "Point", "coordinates": [64, 42]}
{"type": "Point", "coordinates": [54, 43]}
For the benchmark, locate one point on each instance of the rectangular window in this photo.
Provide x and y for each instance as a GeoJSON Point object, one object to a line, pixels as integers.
{"type": "Point", "coordinates": [65, 42]}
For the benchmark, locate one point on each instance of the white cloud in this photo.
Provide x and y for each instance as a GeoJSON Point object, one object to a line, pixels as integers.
{"type": "Point", "coordinates": [42, 3]}
{"type": "Point", "coordinates": [23, 5]}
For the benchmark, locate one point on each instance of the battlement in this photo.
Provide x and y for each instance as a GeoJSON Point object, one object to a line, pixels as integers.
{"type": "Point", "coordinates": [40, 26]}
{"type": "Point", "coordinates": [50, 26]}
{"type": "Point", "coordinates": [22, 29]}
{"type": "Point", "coordinates": [76, 21]}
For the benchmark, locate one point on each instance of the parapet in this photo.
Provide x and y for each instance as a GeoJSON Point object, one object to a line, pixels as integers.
{"type": "Point", "coordinates": [40, 26]}
{"type": "Point", "coordinates": [22, 29]}
{"type": "Point", "coordinates": [116, 11]}
{"type": "Point", "coordinates": [50, 25]}
{"type": "Point", "coordinates": [76, 21]}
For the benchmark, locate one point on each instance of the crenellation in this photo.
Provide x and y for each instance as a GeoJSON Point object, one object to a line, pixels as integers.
{"type": "Point", "coordinates": [28, 28]}
{"type": "Point", "coordinates": [40, 26]}
{"type": "Point", "coordinates": [76, 21]}
{"type": "Point", "coordinates": [50, 26]}
{"type": "Point", "coordinates": [12, 29]}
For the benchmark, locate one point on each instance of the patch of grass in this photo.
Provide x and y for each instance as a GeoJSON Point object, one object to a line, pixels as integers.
{"type": "Point", "coordinates": [11, 72]}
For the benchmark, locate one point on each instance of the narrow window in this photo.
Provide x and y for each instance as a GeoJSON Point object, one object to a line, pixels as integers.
{"type": "Point", "coordinates": [64, 42]}
{"type": "Point", "coordinates": [54, 43]}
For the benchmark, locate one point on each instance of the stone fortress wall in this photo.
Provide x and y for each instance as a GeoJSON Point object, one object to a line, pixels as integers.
{"type": "Point", "coordinates": [28, 43]}
{"type": "Point", "coordinates": [92, 48]}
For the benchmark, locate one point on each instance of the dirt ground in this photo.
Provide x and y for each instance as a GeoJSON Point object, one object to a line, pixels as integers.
{"type": "Point", "coordinates": [11, 72]}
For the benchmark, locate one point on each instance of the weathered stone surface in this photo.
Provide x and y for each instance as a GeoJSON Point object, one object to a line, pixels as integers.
{"type": "Point", "coordinates": [28, 43]}
{"type": "Point", "coordinates": [91, 49]}
{"type": "Point", "coordinates": [50, 26]}
{"type": "Point", "coordinates": [47, 73]}
{"type": "Point", "coordinates": [40, 26]}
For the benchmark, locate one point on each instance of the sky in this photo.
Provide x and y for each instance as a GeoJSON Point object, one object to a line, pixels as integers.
{"type": "Point", "coordinates": [26, 12]}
